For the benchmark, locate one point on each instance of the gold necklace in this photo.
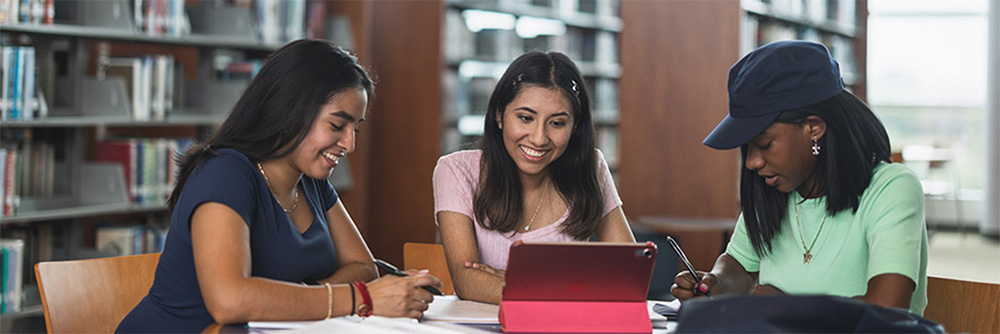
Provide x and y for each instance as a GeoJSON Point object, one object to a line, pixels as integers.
{"type": "Point", "coordinates": [295, 191]}
{"type": "Point", "coordinates": [544, 192]}
{"type": "Point", "coordinates": [807, 256]}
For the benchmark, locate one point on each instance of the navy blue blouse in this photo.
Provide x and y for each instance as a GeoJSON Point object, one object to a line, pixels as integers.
{"type": "Point", "coordinates": [174, 303]}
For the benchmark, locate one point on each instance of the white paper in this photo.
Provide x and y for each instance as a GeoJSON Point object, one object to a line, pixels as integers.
{"type": "Point", "coordinates": [451, 309]}
{"type": "Point", "coordinates": [379, 325]}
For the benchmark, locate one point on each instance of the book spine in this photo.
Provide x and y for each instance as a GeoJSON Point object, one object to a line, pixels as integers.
{"type": "Point", "coordinates": [29, 102]}
{"type": "Point", "coordinates": [6, 62]}
{"type": "Point", "coordinates": [17, 70]}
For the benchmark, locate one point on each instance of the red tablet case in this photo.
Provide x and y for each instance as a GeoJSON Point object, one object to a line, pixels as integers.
{"type": "Point", "coordinates": [577, 287]}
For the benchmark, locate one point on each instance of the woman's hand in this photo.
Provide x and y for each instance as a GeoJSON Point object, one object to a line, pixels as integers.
{"type": "Point", "coordinates": [684, 285]}
{"type": "Point", "coordinates": [487, 269]}
{"type": "Point", "coordinates": [394, 296]}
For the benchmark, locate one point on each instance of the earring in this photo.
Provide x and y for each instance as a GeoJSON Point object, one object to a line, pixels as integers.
{"type": "Point", "coordinates": [815, 147]}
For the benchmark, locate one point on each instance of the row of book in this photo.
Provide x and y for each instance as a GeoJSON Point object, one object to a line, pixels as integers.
{"type": "Point", "coordinates": [28, 170]}
{"type": "Point", "coordinates": [121, 240]}
{"type": "Point", "coordinates": [149, 84]}
{"type": "Point", "coordinates": [466, 95]}
{"type": "Point", "coordinates": [466, 37]}
{"type": "Point", "coordinates": [11, 274]}
{"type": "Point", "coordinates": [149, 164]}
{"type": "Point", "coordinates": [277, 21]}
{"type": "Point", "coordinates": [839, 12]}
{"type": "Point", "coordinates": [19, 98]}
{"type": "Point", "coordinates": [161, 17]}
{"type": "Point", "coordinates": [27, 11]}
{"type": "Point", "coordinates": [759, 30]}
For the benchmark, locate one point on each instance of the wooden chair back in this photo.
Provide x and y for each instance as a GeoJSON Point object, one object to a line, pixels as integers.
{"type": "Point", "coordinates": [963, 306]}
{"type": "Point", "coordinates": [93, 296]}
{"type": "Point", "coordinates": [431, 257]}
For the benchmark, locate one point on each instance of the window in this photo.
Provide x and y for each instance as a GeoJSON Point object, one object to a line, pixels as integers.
{"type": "Point", "coordinates": [927, 80]}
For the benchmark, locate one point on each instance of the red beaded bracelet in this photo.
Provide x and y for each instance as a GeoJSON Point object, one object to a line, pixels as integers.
{"type": "Point", "coordinates": [365, 310]}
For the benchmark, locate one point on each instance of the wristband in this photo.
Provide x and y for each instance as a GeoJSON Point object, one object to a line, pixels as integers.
{"type": "Point", "coordinates": [365, 310]}
{"type": "Point", "coordinates": [353, 301]}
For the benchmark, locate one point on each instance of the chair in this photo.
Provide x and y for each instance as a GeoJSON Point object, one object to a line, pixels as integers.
{"type": "Point", "coordinates": [93, 296]}
{"type": "Point", "coordinates": [938, 175]}
{"type": "Point", "coordinates": [963, 306]}
{"type": "Point", "coordinates": [431, 257]}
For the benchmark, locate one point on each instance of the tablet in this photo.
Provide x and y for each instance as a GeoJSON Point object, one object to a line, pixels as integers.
{"type": "Point", "coordinates": [579, 271]}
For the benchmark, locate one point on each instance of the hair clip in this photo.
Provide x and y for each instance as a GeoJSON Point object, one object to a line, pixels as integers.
{"type": "Point", "coordinates": [518, 80]}
{"type": "Point", "coordinates": [574, 87]}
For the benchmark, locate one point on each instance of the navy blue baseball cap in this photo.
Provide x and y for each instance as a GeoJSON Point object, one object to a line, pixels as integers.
{"type": "Point", "coordinates": [776, 77]}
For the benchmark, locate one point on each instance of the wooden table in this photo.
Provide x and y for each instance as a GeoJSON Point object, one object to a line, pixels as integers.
{"type": "Point", "coordinates": [703, 239]}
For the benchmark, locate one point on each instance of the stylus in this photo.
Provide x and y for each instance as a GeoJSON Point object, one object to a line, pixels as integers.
{"type": "Point", "coordinates": [392, 270]}
{"type": "Point", "coordinates": [684, 258]}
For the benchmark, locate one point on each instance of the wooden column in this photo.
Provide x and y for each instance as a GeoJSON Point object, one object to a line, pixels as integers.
{"type": "Point", "coordinates": [675, 58]}
{"type": "Point", "coordinates": [405, 124]}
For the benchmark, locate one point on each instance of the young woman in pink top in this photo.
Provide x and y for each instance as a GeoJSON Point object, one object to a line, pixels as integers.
{"type": "Point", "coordinates": [536, 176]}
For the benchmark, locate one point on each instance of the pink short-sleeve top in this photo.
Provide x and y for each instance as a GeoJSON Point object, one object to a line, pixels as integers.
{"type": "Point", "coordinates": [456, 177]}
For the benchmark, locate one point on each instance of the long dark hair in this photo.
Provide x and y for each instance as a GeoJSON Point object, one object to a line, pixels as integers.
{"type": "Point", "coordinates": [499, 195]}
{"type": "Point", "coordinates": [855, 142]}
{"type": "Point", "coordinates": [278, 106]}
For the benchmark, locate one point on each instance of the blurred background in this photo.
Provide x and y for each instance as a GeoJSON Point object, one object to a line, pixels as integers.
{"type": "Point", "coordinates": [99, 95]}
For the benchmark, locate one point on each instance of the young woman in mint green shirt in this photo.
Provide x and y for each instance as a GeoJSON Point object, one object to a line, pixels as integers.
{"type": "Point", "coordinates": [824, 211]}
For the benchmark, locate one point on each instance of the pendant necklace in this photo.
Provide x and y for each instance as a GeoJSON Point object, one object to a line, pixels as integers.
{"type": "Point", "coordinates": [807, 256]}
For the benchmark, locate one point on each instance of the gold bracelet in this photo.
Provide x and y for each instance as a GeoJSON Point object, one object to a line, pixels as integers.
{"type": "Point", "coordinates": [329, 297]}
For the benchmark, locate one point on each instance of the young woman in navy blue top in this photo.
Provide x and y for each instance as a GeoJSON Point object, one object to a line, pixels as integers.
{"type": "Point", "coordinates": [257, 232]}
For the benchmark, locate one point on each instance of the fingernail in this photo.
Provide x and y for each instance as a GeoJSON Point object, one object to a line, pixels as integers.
{"type": "Point", "coordinates": [423, 272]}
{"type": "Point", "coordinates": [703, 288]}
{"type": "Point", "coordinates": [468, 264]}
{"type": "Point", "coordinates": [475, 265]}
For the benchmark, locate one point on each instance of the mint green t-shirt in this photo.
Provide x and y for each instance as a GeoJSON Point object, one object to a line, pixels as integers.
{"type": "Point", "coordinates": [886, 235]}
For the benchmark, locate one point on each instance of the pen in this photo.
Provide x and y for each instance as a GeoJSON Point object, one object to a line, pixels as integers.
{"type": "Point", "coordinates": [392, 270]}
{"type": "Point", "coordinates": [684, 258]}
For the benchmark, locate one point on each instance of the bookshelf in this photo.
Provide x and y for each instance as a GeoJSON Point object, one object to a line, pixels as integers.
{"type": "Point", "coordinates": [197, 58]}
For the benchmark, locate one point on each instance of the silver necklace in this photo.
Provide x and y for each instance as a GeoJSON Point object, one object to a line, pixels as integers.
{"type": "Point", "coordinates": [532, 221]}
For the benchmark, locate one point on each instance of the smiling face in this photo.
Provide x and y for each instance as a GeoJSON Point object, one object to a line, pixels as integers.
{"type": "Point", "coordinates": [537, 126]}
{"type": "Point", "coordinates": [782, 155]}
{"type": "Point", "coordinates": [332, 134]}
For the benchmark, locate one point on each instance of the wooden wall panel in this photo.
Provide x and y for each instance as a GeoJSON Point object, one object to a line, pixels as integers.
{"type": "Point", "coordinates": [675, 58]}
{"type": "Point", "coordinates": [405, 129]}
{"type": "Point", "coordinates": [860, 88]}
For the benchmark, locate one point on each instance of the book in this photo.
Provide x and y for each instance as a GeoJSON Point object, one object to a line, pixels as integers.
{"type": "Point", "coordinates": [129, 69]}
{"type": "Point", "coordinates": [123, 152]}
{"type": "Point", "coordinates": [17, 72]}
{"type": "Point", "coordinates": [118, 240]}
{"type": "Point", "coordinates": [10, 199]}
{"type": "Point", "coordinates": [6, 63]}
{"type": "Point", "coordinates": [13, 273]}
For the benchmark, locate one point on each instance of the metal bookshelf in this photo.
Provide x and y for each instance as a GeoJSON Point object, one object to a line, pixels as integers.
{"type": "Point", "coordinates": [126, 35]}
{"type": "Point", "coordinates": [571, 18]}
{"type": "Point", "coordinates": [81, 211]}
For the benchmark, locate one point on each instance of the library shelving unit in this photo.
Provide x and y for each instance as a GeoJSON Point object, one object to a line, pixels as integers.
{"type": "Point", "coordinates": [103, 83]}
{"type": "Point", "coordinates": [482, 37]}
